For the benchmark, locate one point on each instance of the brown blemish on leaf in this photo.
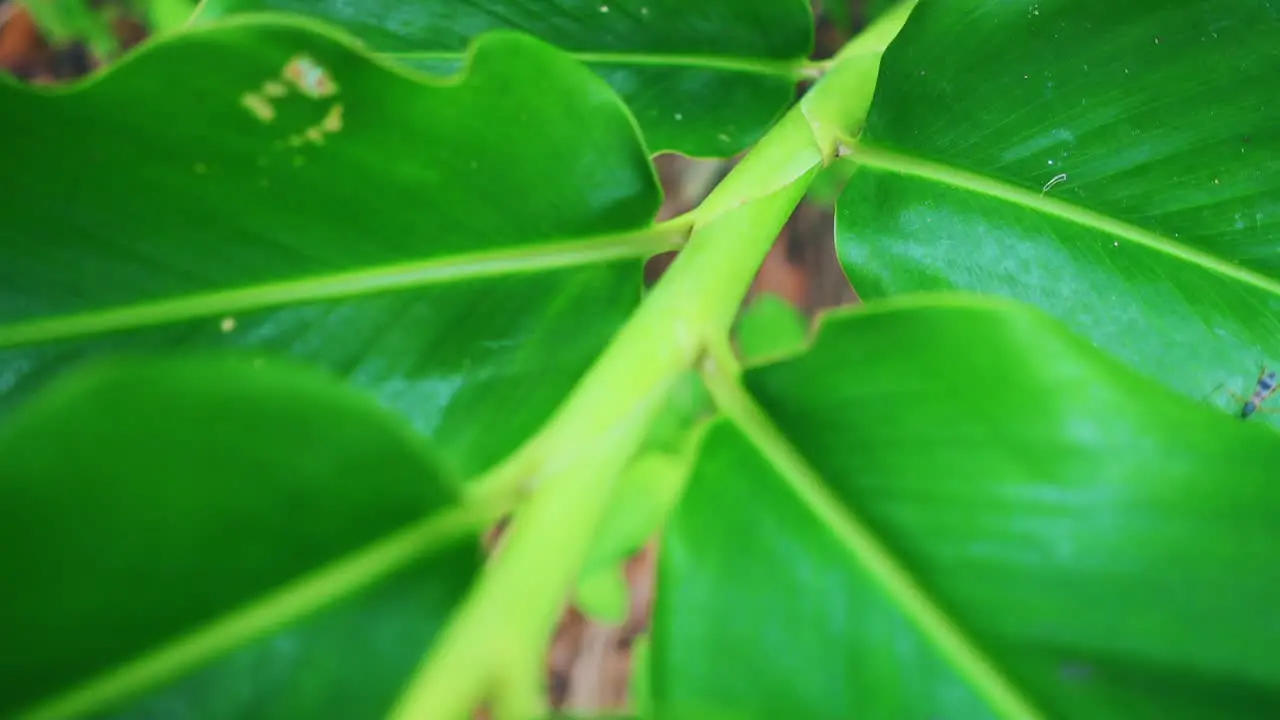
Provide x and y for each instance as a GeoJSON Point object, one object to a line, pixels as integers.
{"type": "Point", "coordinates": [310, 77]}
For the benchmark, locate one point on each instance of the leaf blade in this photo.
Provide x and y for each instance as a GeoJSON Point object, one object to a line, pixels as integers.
{"type": "Point", "coordinates": [374, 257]}
{"type": "Point", "coordinates": [665, 58]}
{"type": "Point", "coordinates": [211, 443]}
{"type": "Point", "coordinates": [1135, 176]}
{"type": "Point", "coordinates": [1011, 523]}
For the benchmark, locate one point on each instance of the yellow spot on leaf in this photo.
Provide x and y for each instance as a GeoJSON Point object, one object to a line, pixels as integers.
{"type": "Point", "coordinates": [258, 106]}
{"type": "Point", "coordinates": [315, 134]}
{"type": "Point", "coordinates": [311, 79]}
{"type": "Point", "coordinates": [332, 122]}
{"type": "Point", "coordinates": [228, 324]}
{"type": "Point", "coordinates": [274, 89]}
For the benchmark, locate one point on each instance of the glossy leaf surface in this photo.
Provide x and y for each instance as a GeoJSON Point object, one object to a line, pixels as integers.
{"type": "Point", "coordinates": [307, 201]}
{"type": "Point", "coordinates": [704, 79]}
{"type": "Point", "coordinates": [1116, 164]}
{"type": "Point", "coordinates": [275, 542]}
{"type": "Point", "coordinates": [1105, 544]}
{"type": "Point", "coordinates": [770, 326]}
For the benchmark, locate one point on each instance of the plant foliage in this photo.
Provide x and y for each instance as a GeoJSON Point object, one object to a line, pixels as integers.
{"type": "Point", "coordinates": [338, 285]}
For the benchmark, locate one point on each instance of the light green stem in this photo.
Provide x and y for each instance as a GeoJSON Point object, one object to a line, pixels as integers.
{"type": "Point", "coordinates": [575, 460]}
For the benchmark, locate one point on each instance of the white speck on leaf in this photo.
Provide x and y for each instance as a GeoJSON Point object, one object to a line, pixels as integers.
{"type": "Point", "coordinates": [1054, 181]}
{"type": "Point", "coordinates": [228, 324]}
{"type": "Point", "coordinates": [679, 116]}
{"type": "Point", "coordinates": [604, 8]}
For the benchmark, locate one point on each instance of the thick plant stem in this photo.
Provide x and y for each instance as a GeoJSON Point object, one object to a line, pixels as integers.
{"type": "Point", "coordinates": [586, 444]}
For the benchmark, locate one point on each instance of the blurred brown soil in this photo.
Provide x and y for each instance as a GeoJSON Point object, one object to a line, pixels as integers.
{"type": "Point", "coordinates": [588, 663]}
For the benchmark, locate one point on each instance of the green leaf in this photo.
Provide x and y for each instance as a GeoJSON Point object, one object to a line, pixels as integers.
{"type": "Point", "coordinates": [363, 219]}
{"type": "Point", "coordinates": [873, 9]}
{"type": "Point", "coordinates": [646, 492]}
{"type": "Point", "coordinates": [827, 186]}
{"type": "Point", "coordinates": [704, 80]}
{"type": "Point", "coordinates": [954, 508]}
{"type": "Point", "coordinates": [603, 595]}
{"type": "Point", "coordinates": [1115, 164]}
{"type": "Point", "coordinates": [638, 686]}
{"type": "Point", "coordinates": [165, 15]}
{"type": "Point", "coordinates": [277, 544]}
{"type": "Point", "coordinates": [770, 326]}
{"type": "Point", "coordinates": [63, 22]}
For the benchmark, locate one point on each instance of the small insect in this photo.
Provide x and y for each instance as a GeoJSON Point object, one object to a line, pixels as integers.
{"type": "Point", "coordinates": [1264, 388]}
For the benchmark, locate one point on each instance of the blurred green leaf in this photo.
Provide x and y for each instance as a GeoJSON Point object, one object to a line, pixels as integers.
{"type": "Point", "coordinates": [830, 182]}
{"type": "Point", "coordinates": [1116, 164]}
{"type": "Point", "coordinates": [276, 543]}
{"type": "Point", "coordinates": [770, 326]}
{"type": "Point", "coordinates": [64, 22]}
{"type": "Point", "coordinates": [460, 249]}
{"type": "Point", "coordinates": [873, 9]}
{"type": "Point", "coordinates": [704, 79]}
{"type": "Point", "coordinates": [603, 595]}
{"type": "Point", "coordinates": [648, 489]}
{"type": "Point", "coordinates": [965, 464]}
{"type": "Point", "coordinates": [165, 15]}
{"type": "Point", "coordinates": [638, 690]}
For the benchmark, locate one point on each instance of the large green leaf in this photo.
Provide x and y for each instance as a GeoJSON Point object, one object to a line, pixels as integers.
{"type": "Point", "coordinates": [954, 500]}
{"type": "Point", "coordinates": [1115, 163]}
{"type": "Point", "coordinates": [705, 78]}
{"type": "Point", "coordinates": [277, 544]}
{"type": "Point", "coordinates": [461, 249]}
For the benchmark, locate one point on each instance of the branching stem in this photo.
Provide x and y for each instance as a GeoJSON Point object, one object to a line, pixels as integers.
{"type": "Point", "coordinates": [574, 461]}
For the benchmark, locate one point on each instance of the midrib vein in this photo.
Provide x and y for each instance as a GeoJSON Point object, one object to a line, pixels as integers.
{"type": "Point", "coordinates": [364, 282]}
{"type": "Point", "coordinates": [902, 164]}
{"type": "Point", "coordinates": [900, 587]}
{"type": "Point", "coordinates": [299, 598]}
{"type": "Point", "coordinates": [758, 66]}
